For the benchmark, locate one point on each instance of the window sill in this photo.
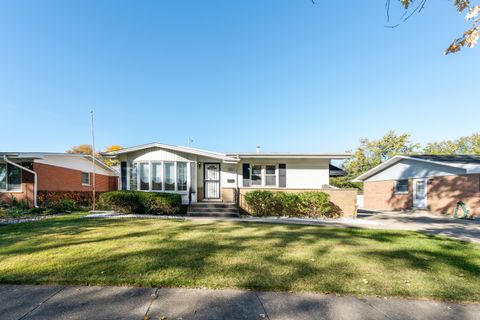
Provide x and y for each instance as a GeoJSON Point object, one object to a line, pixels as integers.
{"type": "Point", "coordinates": [12, 191]}
{"type": "Point", "coordinates": [401, 193]}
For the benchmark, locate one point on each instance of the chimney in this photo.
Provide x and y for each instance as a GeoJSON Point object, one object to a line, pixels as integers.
{"type": "Point", "coordinates": [258, 149]}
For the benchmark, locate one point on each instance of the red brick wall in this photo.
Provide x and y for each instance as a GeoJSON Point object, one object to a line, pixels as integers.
{"type": "Point", "coordinates": [444, 193]}
{"type": "Point", "coordinates": [380, 195]}
{"type": "Point", "coordinates": [25, 194]}
{"type": "Point", "coordinates": [53, 178]}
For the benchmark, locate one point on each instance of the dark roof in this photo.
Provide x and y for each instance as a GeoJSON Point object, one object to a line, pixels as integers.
{"type": "Point", "coordinates": [336, 171]}
{"type": "Point", "coordinates": [460, 158]}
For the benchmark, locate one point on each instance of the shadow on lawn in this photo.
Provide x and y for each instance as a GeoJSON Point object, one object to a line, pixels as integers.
{"type": "Point", "coordinates": [220, 255]}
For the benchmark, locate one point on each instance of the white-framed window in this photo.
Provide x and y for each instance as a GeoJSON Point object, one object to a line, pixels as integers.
{"type": "Point", "coordinates": [144, 176]}
{"type": "Point", "coordinates": [169, 176]}
{"type": "Point", "coordinates": [10, 178]}
{"type": "Point", "coordinates": [157, 176]}
{"type": "Point", "coordinates": [86, 178]}
{"type": "Point", "coordinates": [181, 176]}
{"type": "Point", "coordinates": [270, 175]}
{"type": "Point", "coordinates": [256, 176]}
{"type": "Point", "coordinates": [401, 187]}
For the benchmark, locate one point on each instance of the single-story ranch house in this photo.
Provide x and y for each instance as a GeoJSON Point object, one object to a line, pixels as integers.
{"type": "Point", "coordinates": [200, 175]}
{"type": "Point", "coordinates": [433, 182]}
{"type": "Point", "coordinates": [26, 175]}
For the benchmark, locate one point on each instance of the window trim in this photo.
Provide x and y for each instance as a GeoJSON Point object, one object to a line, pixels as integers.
{"type": "Point", "coordinates": [270, 175]}
{"type": "Point", "coordinates": [395, 190]}
{"type": "Point", "coordinates": [6, 180]}
{"type": "Point", "coordinates": [162, 163]}
{"type": "Point", "coordinates": [263, 176]}
{"type": "Point", "coordinates": [89, 178]}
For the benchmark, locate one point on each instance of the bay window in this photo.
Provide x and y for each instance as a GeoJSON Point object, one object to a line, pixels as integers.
{"type": "Point", "coordinates": [181, 176]}
{"type": "Point", "coordinates": [144, 176]}
{"type": "Point", "coordinates": [133, 176]}
{"type": "Point", "coordinates": [156, 176]}
{"type": "Point", "coordinates": [169, 175]}
{"type": "Point", "coordinates": [10, 177]}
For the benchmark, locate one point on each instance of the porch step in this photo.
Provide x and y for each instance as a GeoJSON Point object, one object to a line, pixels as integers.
{"type": "Point", "coordinates": [211, 209]}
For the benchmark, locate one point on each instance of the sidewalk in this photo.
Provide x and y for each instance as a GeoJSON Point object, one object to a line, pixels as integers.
{"type": "Point", "coordinates": [64, 302]}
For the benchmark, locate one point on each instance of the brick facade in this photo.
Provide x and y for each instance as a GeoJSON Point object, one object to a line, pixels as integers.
{"type": "Point", "coordinates": [54, 178]}
{"type": "Point", "coordinates": [380, 195]}
{"type": "Point", "coordinates": [443, 193]}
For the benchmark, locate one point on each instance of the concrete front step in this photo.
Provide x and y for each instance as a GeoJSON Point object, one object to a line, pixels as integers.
{"type": "Point", "coordinates": [214, 214]}
{"type": "Point", "coordinates": [207, 210]}
{"type": "Point", "coordinates": [213, 209]}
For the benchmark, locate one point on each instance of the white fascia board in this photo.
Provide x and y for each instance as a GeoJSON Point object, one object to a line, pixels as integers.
{"type": "Point", "coordinates": [397, 158]}
{"type": "Point", "coordinates": [378, 168]}
{"type": "Point", "coordinates": [200, 152]}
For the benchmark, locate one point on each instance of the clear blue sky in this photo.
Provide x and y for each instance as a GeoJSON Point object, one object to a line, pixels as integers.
{"type": "Point", "coordinates": [283, 74]}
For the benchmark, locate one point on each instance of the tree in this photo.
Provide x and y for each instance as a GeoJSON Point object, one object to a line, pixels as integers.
{"type": "Point", "coordinates": [462, 145]}
{"type": "Point", "coordinates": [373, 152]}
{"type": "Point", "coordinates": [112, 162]}
{"type": "Point", "coordinates": [81, 149]}
{"type": "Point", "coordinates": [87, 149]}
{"type": "Point", "coordinates": [472, 11]}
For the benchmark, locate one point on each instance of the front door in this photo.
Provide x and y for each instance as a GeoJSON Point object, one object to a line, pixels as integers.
{"type": "Point", "coordinates": [212, 180]}
{"type": "Point", "coordinates": [420, 193]}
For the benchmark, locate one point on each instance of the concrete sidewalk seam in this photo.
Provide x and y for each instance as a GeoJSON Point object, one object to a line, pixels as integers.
{"type": "Point", "coordinates": [41, 303]}
{"type": "Point", "coordinates": [155, 296]}
{"type": "Point", "coordinates": [374, 308]}
{"type": "Point", "coordinates": [263, 306]}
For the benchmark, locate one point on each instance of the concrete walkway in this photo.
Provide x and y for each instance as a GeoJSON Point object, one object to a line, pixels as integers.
{"type": "Point", "coordinates": [63, 302]}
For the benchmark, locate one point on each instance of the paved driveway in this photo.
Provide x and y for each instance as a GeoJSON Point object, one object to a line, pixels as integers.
{"type": "Point", "coordinates": [468, 230]}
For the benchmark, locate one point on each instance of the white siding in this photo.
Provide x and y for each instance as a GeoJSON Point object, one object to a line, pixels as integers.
{"type": "Point", "coordinates": [74, 162]}
{"type": "Point", "coordinates": [301, 173]}
{"type": "Point", "coordinates": [406, 169]}
{"type": "Point", "coordinates": [157, 154]}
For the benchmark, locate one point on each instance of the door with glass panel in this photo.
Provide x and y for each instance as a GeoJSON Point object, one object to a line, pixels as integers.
{"type": "Point", "coordinates": [212, 180]}
{"type": "Point", "coordinates": [420, 193]}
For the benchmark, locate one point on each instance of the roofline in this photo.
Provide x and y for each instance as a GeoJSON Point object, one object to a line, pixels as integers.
{"type": "Point", "coordinates": [385, 164]}
{"type": "Point", "coordinates": [292, 155]}
{"type": "Point", "coordinates": [200, 152]}
{"type": "Point", "coordinates": [41, 155]}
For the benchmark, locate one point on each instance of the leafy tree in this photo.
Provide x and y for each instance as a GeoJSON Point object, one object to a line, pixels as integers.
{"type": "Point", "coordinates": [112, 162]}
{"type": "Point", "coordinates": [468, 39]}
{"type": "Point", "coordinates": [373, 152]}
{"type": "Point", "coordinates": [81, 149]}
{"type": "Point", "coordinates": [462, 145]}
{"type": "Point", "coordinates": [87, 149]}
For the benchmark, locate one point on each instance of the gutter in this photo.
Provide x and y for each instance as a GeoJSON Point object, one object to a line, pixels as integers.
{"type": "Point", "coordinates": [34, 178]}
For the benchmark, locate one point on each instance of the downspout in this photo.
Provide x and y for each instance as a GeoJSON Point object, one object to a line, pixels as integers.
{"type": "Point", "coordinates": [34, 178]}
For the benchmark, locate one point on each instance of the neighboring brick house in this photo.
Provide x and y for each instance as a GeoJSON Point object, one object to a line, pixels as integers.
{"type": "Point", "coordinates": [55, 173]}
{"type": "Point", "coordinates": [432, 182]}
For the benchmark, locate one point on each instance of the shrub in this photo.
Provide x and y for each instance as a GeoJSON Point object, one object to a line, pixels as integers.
{"type": "Point", "coordinates": [141, 202]}
{"type": "Point", "coordinates": [61, 206]}
{"type": "Point", "coordinates": [167, 203]}
{"type": "Point", "coordinates": [314, 204]}
{"type": "Point", "coordinates": [261, 202]}
{"type": "Point", "coordinates": [304, 204]}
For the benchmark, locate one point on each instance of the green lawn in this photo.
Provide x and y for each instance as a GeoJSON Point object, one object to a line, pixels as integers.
{"type": "Point", "coordinates": [73, 250]}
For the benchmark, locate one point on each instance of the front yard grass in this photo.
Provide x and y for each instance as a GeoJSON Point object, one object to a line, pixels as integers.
{"type": "Point", "coordinates": [150, 252]}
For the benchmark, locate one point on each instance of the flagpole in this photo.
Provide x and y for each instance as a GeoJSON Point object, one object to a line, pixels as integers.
{"type": "Point", "coordinates": [93, 160]}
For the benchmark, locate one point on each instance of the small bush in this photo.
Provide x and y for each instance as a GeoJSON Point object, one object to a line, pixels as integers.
{"type": "Point", "coordinates": [304, 204]}
{"type": "Point", "coordinates": [121, 201]}
{"type": "Point", "coordinates": [141, 202]}
{"type": "Point", "coordinates": [61, 206]}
